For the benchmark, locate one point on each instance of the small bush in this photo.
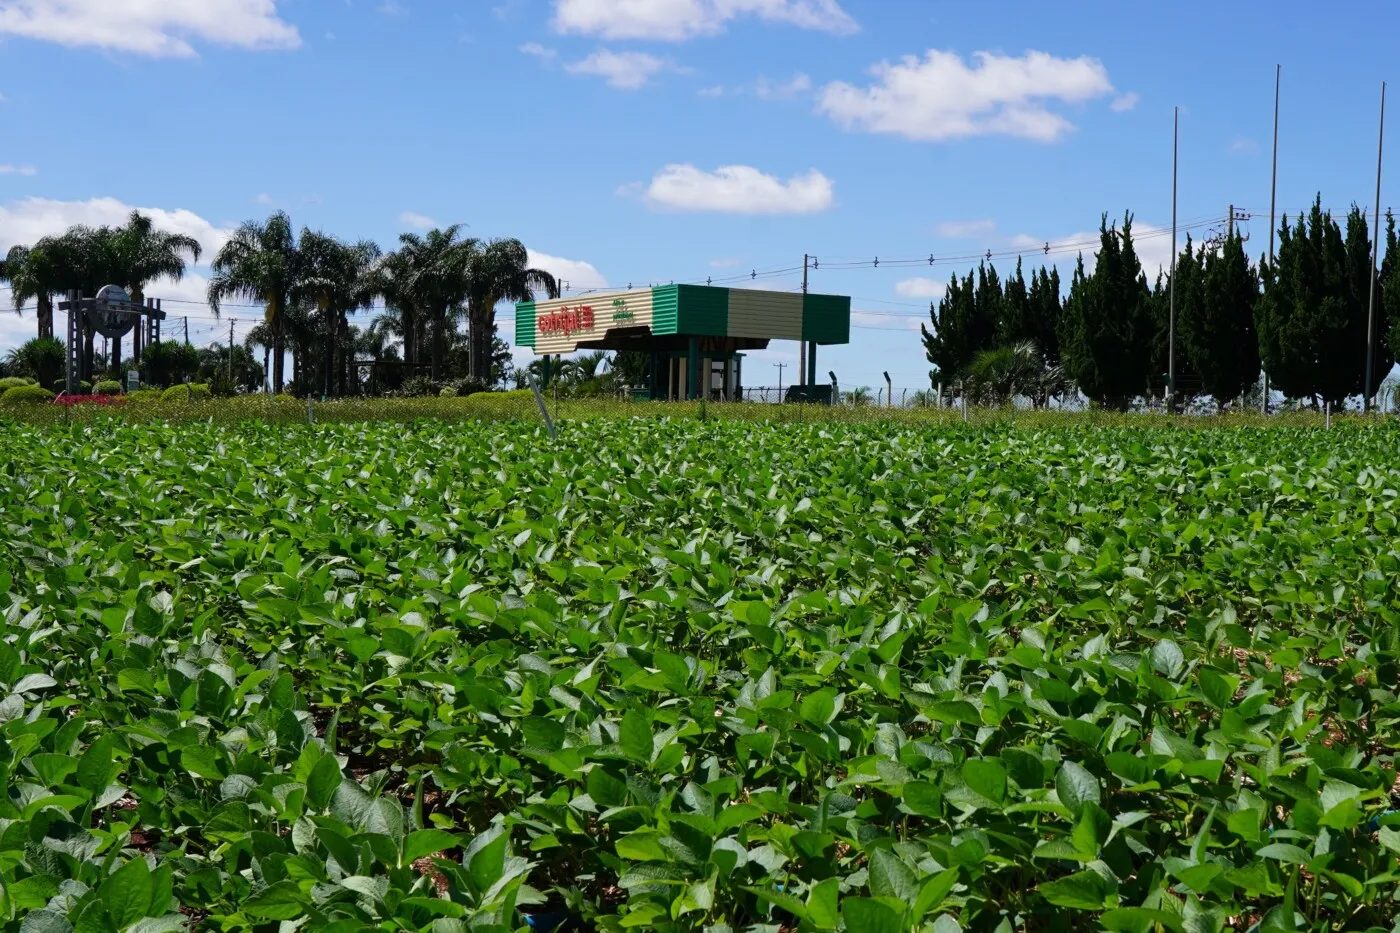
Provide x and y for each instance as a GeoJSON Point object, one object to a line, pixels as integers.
{"type": "Point", "coordinates": [470, 387]}
{"type": "Point", "coordinates": [418, 387]}
{"type": "Point", "coordinates": [447, 392]}
{"type": "Point", "coordinates": [14, 382]}
{"type": "Point", "coordinates": [144, 395]}
{"type": "Point", "coordinates": [188, 392]}
{"type": "Point", "coordinates": [26, 395]}
{"type": "Point", "coordinates": [84, 387]}
{"type": "Point", "coordinates": [108, 387]}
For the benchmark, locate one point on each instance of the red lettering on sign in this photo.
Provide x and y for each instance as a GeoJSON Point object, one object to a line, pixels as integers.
{"type": "Point", "coordinates": [566, 321]}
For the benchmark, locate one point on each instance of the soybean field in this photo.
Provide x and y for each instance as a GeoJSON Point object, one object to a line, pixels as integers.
{"type": "Point", "coordinates": [683, 675]}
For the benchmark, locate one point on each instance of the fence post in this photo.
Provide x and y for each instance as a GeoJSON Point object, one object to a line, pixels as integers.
{"type": "Point", "coordinates": [1327, 414]}
{"type": "Point", "coordinates": [962, 394]}
{"type": "Point", "coordinates": [544, 411]}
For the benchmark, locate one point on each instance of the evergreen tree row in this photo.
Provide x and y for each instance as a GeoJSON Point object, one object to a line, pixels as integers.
{"type": "Point", "coordinates": [1301, 318]}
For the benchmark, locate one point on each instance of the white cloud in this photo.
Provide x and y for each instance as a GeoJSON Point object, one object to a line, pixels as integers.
{"type": "Point", "coordinates": [940, 97]}
{"type": "Point", "coordinates": [264, 199]}
{"type": "Point", "coordinates": [416, 221]}
{"type": "Point", "coordinates": [29, 219]}
{"type": "Point", "coordinates": [920, 287]}
{"type": "Point", "coordinates": [678, 20]}
{"type": "Point", "coordinates": [539, 51]}
{"type": "Point", "coordinates": [161, 28]}
{"type": "Point", "coordinates": [1242, 145]}
{"type": "Point", "coordinates": [576, 272]}
{"type": "Point", "coordinates": [966, 229]}
{"type": "Point", "coordinates": [738, 189]}
{"type": "Point", "coordinates": [713, 90]}
{"type": "Point", "coordinates": [1124, 102]}
{"type": "Point", "coordinates": [626, 70]}
{"type": "Point", "coordinates": [796, 86]}
{"type": "Point", "coordinates": [1153, 245]}
{"type": "Point", "coordinates": [887, 320]}
{"type": "Point", "coordinates": [26, 170]}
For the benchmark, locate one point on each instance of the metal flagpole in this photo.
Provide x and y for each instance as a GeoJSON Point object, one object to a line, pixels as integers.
{"type": "Point", "coordinates": [1366, 392]}
{"type": "Point", "coordinates": [1171, 282]}
{"type": "Point", "coordinates": [802, 344]}
{"type": "Point", "coordinates": [1273, 201]}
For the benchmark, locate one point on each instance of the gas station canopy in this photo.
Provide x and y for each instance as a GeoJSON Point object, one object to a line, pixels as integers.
{"type": "Point", "coordinates": [692, 328]}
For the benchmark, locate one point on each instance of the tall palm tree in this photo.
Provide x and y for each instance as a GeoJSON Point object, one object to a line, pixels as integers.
{"type": "Point", "coordinates": [438, 266]}
{"type": "Point", "coordinates": [260, 262]}
{"type": "Point", "coordinates": [394, 281]}
{"type": "Point", "coordinates": [32, 277]}
{"type": "Point", "coordinates": [339, 278]}
{"type": "Point", "coordinates": [141, 254]}
{"type": "Point", "coordinates": [260, 335]}
{"type": "Point", "coordinates": [500, 271]}
{"type": "Point", "coordinates": [144, 254]}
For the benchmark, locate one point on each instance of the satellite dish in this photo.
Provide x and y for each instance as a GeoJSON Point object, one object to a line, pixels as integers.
{"type": "Point", "coordinates": [110, 314]}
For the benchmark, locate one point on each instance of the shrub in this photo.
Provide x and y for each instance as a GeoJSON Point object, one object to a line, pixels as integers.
{"type": "Point", "coordinates": [447, 392]}
{"type": "Point", "coordinates": [419, 386]}
{"type": "Point", "coordinates": [84, 387]}
{"type": "Point", "coordinates": [42, 358]}
{"type": "Point", "coordinates": [470, 386]}
{"type": "Point", "coordinates": [188, 392]}
{"type": "Point", "coordinates": [13, 382]}
{"type": "Point", "coordinates": [145, 395]}
{"type": "Point", "coordinates": [108, 387]}
{"type": "Point", "coordinates": [26, 395]}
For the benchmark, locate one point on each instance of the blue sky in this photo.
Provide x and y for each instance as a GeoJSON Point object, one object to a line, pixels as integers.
{"type": "Point", "coordinates": [636, 141]}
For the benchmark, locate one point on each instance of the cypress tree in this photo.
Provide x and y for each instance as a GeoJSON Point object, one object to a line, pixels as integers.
{"type": "Point", "coordinates": [1311, 318]}
{"type": "Point", "coordinates": [1190, 314]}
{"type": "Point", "coordinates": [1106, 329]}
{"type": "Point", "coordinates": [964, 324]}
{"type": "Point", "coordinates": [1388, 299]}
{"type": "Point", "coordinates": [1046, 310]}
{"type": "Point", "coordinates": [1015, 324]}
{"type": "Point", "coordinates": [1217, 322]}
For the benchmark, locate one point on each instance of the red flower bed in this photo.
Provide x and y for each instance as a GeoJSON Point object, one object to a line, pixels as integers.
{"type": "Point", "coordinates": [71, 400]}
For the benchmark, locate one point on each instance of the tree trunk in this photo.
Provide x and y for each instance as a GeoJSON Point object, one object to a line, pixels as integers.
{"type": "Point", "coordinates": [45, 315]}
{"type": "Point", "coordinates": [278, 352]}
{"type": "Point", "coordinates": [343, 352]}
{"type": "Point", "coordinates": [409, 322]}
{"type": "Point", "coordinates": [439, 320]}
{"type": "Point", "coordinates": [85, 370]}
{"type": "Point", "coordinates": [267, 355]}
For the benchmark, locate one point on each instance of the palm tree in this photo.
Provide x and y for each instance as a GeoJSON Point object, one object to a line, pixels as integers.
{"type": "Point", "coordinates": [437, 265]}
{"type": "Point", "coordinates": [394, 281]}
{"type": "Point", "coordinates": [260, 335]}
{"type": "Point", "coordinates": [141, 253]}
{"type": "Point", "coordinates": [500, 271]}
{"type": "Point", "coordinates": [32, 277]}
{"type": "Point", "coordinates": [260, 262]}
{"type": "Point", "coordinates": [378, 342]}
{"type": "Point", "coordinates": [860, 395]}
{"type": "Point", "coordinates": [339, 278]}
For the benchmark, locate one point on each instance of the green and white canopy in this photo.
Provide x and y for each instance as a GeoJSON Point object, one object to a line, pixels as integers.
{"type": "Point", "coordinates": [632, 319]}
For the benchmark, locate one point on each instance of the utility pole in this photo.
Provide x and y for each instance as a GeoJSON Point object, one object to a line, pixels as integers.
{"type": "Point", "coordinates": [781, 367]}
{"type": "Point", "coordinates": [1366, 393]}
{"type": "Point", "coordinates": [1230, 224]}
{"type": "Point", "coordinates": [187, 330]}
{"type": "Point", "coordinates": [1171, 284]}
{"type": "Point", "coordinates": [231, 322]}
{"type": "Point", "coordinates": [1273, 201]}
{"type": "Point", "coordinates": [802, 344]}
